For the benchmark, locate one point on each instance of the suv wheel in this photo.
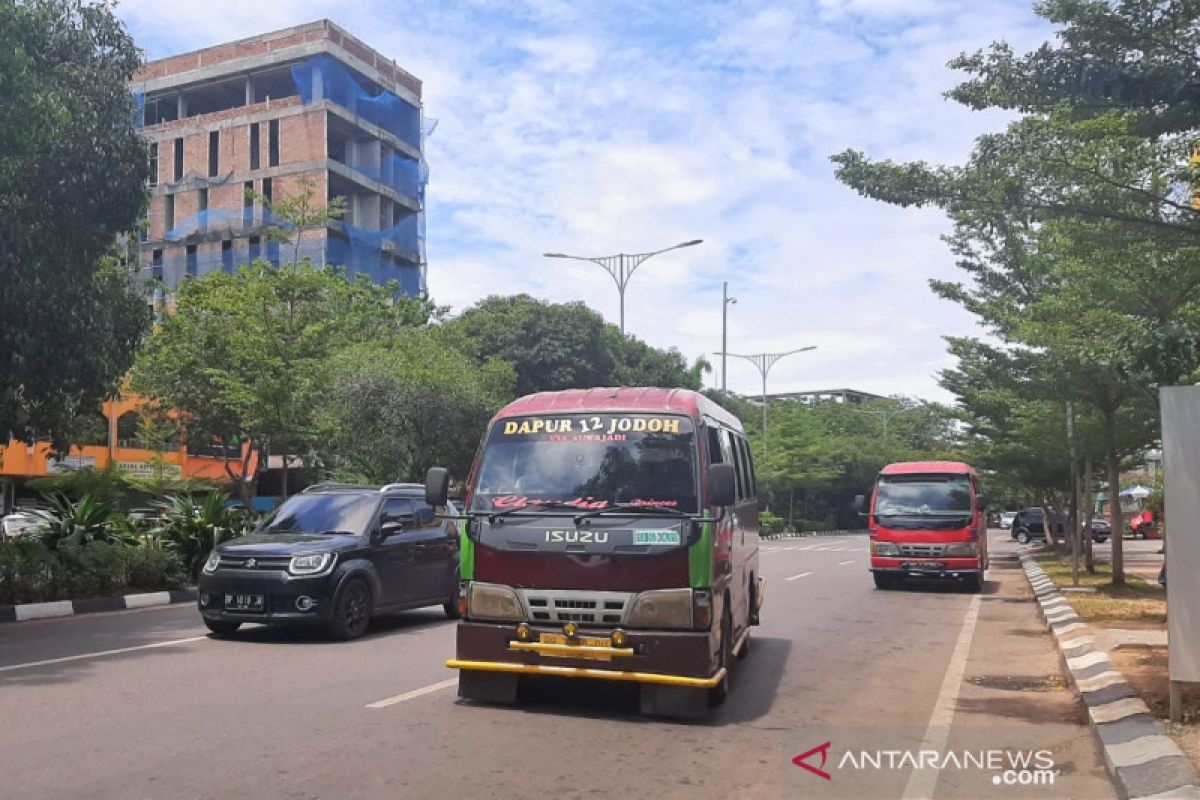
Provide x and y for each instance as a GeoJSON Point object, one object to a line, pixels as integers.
{"type": "Point", "coordinates": [1023, 536]}
{"type": "Point", "coordinates": [352, 612]}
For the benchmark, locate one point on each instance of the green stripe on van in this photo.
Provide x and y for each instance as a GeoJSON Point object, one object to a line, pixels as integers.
{"type": "Point", "coordinates": [466, 553]}
{"type": "Point", "coordinates": [700, 559]}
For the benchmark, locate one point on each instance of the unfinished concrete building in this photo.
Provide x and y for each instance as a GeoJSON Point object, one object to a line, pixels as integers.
{"type": "Point", "coordinates": [308, 107]}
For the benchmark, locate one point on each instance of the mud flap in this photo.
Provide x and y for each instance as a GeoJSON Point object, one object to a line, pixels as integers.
{"type": "Point", "coordinates": [488, 687]}
{"type": "Point", "coordinates": [683, 702]}
{"type": "Point", "coordinates": [760, 588]}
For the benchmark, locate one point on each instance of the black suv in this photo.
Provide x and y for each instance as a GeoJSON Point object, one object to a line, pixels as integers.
{"type": "Point", "coordinates": [1030, 523]}
{"type": "Point", "coordinates": [335, 555]}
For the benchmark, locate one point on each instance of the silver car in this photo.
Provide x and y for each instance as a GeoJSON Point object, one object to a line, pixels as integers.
{"type": "Point", "coordinates": [1006, 519]}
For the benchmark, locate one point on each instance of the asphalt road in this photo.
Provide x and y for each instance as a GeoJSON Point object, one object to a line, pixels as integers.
{"type": "Point", "coordinates": [144, 704]}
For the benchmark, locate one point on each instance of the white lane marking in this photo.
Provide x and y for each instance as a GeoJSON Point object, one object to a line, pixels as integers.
{"type": "Point", "coordinates": [101, 653]}
{"type": "Point", "coordinates": [921, 782]}
{"type": "Point", "coordinates": [424, 690]}
{"type": "Point", "coordinates": [810, 547]}
{"type": "Point", "coordinates": [797, 577]}
{"type": "Point", "coordinates": [844, 563]}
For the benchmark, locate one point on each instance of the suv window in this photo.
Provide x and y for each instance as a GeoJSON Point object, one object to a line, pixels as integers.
{"type": "Point", "coordinates": [322, 513]}
{"type": "Point", "coordinates": [413, 512]}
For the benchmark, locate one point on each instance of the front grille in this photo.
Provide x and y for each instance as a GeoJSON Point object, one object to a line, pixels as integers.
{"type": "Point", "coordinates": [922, 550]}
{"type": "Point", "coordinates": [254, 562]}
{"type": "Point", "coordinates": [566, 605]}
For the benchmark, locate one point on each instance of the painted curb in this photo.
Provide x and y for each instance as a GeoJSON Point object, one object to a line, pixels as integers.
{"type": "Point", "coordinates": [806, 534]}
{"type": "Point", "coordinates": [1143, 761]}
{"type": "Point", "coordinates": [70, 608]}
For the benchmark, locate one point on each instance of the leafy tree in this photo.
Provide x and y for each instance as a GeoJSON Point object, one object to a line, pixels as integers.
{"type": "Point", "coordinates": [72, 176]}
{"type": "Point", "coordinates": [394, 409]}
{"type": "Point", "coordinates": [244, 358]}
{"type": "Point", "coordinates": [636, 363]}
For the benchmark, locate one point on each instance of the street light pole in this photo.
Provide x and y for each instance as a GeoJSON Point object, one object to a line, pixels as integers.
{"type": "Point", "coordinates": [622, 266]}
{"type": "Point", "coordinates": [726, 302]}
{"type": "Point", "coordinates": [764, 362]}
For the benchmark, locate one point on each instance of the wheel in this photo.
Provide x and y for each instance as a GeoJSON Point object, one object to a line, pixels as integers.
{"type": "Point", "coordinates": [883, 581]}
{"type": "Point", "coordinates": [222, 627]}
{"type": "Point", "coordinates": [1100, 539]}
{"type": "Point", "coordinates": [753, 615]}
{"type": "Point", "coordinates": [718, 694]}
{"type": "Point", "coordinates": [451, 604]}
{"type": "Point", "coordinates": [1023, 537]}
{"type": "Point", "coordinates": [973, 583]}
{"type": "Point", "coordinates": [352, 612]}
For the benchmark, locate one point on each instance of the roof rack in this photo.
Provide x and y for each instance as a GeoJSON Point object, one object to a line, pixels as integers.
{"type": "Point", "coordinates": [328, 486]}
{"type": "Point", "coordinates": [394, 486]}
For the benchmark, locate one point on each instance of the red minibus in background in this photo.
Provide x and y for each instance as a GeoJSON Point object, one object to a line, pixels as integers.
{"type": "Point", "coordinates": [609, 534]}
{"type": "Point", "coordinates": [927, 520]}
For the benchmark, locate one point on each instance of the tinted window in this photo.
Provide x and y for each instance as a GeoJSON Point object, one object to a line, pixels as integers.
{"type": "Point", "coordinates": [922, 496]}
{"type": "Point", "coordinates": [322, 513]}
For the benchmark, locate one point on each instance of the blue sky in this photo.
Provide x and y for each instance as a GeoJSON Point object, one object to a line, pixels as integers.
{"type": "Point", "coordinates": [600, 127]}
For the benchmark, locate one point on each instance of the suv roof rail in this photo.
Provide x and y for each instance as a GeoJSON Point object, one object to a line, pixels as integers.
{"type": "Point", "coordinates": [321, 487]}
{"type": "Point", "coordinates": [394, 486]}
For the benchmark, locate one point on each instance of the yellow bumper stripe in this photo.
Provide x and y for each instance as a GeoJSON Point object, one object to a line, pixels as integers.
{"type": "Point", "coordinates": [583, 672]}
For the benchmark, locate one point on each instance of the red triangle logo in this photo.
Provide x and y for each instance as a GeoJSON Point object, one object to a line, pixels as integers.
{"type": "Point", "coordinates": [823, 749]}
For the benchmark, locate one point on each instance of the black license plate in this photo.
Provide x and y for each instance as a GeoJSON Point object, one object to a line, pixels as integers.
{"type": "Point", "coordinates": [243, 602]}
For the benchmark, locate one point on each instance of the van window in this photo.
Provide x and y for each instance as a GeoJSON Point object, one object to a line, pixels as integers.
{"type": "Point", "coordinates": [714, 446]}
{"type": "Point", "coordinates": [735, 458]}
{"type": "Point", "coordinates": [748, 461]}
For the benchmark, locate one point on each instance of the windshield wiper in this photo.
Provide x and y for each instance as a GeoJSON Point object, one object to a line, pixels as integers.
{"type": "Point", "coordinates": [625, 508]}
{"type": "Point", "coordinates": [494, 515]}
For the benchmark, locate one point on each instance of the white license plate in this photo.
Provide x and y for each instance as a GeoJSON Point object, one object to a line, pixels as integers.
{"type": "Point", "coordinates": [243, 602]}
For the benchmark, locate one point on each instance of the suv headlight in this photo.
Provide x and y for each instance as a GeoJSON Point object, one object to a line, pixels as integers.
{"type": "Point", "coordinates": [214, 561]}
{"type": "Point", "coordinates": [884, 549]}
{"type": "Point", "coordinates": [962, 549]}
{"type": "Point", "coordinates": [313, 564]}
{"type": "Point", "coordinates": [661, 608]}
{"type": "Point", "coordinates": [493, 601]}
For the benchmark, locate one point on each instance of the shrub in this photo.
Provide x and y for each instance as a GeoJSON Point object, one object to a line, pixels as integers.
{"type": "Point", "coordinates": [31, 572]}
{"type": "Point", "coordinates": [770, 524]}
{"type": "Point", "coordinates": [192, 529]}
{"type": "Point", "coordinates": [75, 523]}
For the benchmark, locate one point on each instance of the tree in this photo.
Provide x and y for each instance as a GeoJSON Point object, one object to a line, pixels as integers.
{"type": "Point", "coordinates": [72, 177]}
{"type": "Point", "coordinates": [636, 363]}
{"type": "Point", "coordinates": [245, 357]}
{"type": "Point", "coordinates": [293, 213]}
{"type": "Point", "coordinates": [397, 408]}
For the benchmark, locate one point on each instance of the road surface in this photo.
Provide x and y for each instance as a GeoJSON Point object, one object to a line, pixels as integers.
{"type": "Point", "coordinates": [144, 704]}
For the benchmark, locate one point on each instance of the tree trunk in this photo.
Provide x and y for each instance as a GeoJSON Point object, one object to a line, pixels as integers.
{"type": "Point", "coordinates": [1089, 561]}
{"type": "Point", "coordinates": [1114, 499]}
{"type": "Point", "coordinates": [284, 476]}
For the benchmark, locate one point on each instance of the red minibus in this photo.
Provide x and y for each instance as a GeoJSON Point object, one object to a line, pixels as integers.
{"type": "Point", "coordinates": [927, 521]}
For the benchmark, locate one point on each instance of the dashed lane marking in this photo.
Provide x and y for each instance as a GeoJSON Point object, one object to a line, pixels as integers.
{"type": "Point", "coordinates": [798, 577]}
{"type": "Point", "coordinates": [415, 693]}
{"type": "Point", "coordinates": [844, 563]}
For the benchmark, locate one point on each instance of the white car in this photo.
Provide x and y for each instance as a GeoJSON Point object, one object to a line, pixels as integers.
{"type": "Point", "coordinates": [1006, 519]}
{"type": "Point", "coordinates": [17, 524]}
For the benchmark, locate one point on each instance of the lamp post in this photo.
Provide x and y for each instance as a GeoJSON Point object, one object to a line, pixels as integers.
{"type": "Point", "coordinates": [622, 266]}
{"type": "Point", "coordinates": [726, 302]}
{"type": "Point", "coordinates": [764, 362]}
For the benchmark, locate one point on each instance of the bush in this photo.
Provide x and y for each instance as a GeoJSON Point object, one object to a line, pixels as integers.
{"type": "Point", "coordinates": [770, 524]}
{"type": "Point", "coordinates": [30, 572]}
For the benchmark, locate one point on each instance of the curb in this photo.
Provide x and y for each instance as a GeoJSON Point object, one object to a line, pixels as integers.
{"type": "Point", "coordinates": [806, 534]}
{"type": "Point", "coordinates": [1143, 761]}
{"type": "Point", "coordinates": [69, 608]}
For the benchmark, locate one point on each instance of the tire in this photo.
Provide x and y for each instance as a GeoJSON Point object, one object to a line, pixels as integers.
{"type": "Point", "coordinates": [352, 611]}
{"type": "Point", "coordinates": [451, 604]}
{"type": "Point", "coordinates": [753, 617]}
{"type": "Point", "coordinates": [884, 582]}
{"type": "Point", "coordinates": [1023, 537]}
{"type": "Point", "coordinates": [973, 584]}
{"type": "Point", "coordinates": [1100, 539]}
{"type": "Point", "coordinates": [720, 693]}
{"type": "Point", "coordinates": [222, 627]}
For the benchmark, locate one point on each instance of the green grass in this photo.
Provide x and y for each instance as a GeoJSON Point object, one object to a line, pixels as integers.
{"type": "Point", "coordinates": [1136, 600]}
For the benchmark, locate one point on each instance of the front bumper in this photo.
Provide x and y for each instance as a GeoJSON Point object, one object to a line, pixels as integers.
{"type": "Point", "coordinates": [279, 590]}
{"type": "Point", "coordinates": [948, 568]}
{"type": "Point", "coordinates": [675, 658]}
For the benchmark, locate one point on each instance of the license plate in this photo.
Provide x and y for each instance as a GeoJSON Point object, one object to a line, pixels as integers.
{"type": "Point", "coordinates": [586, 641]}
{"type": "Point", "coordinates": [661, 537]}
{"type": "Point", "coordinates": [925, 566]}
{"type": "Point", "coordinates": [243, 602]}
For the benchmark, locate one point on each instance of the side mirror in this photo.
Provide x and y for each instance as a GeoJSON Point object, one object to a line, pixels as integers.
{"type": "Point", "coordinates": [437, 486]}
{"type": "Point", "coordinates": [390, 528]}
{"type": "Point", "coordinates": [860, 503]}
{"type": "Point", "coordinates": [980, 502]}
{"type": "Point", "coordinates": [721, 481]}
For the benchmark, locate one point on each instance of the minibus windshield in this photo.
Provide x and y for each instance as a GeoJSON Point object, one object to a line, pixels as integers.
{"type": "Point", "coordinates": [923, 496]}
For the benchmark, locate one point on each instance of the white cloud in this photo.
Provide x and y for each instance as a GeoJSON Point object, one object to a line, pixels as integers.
{"type": "Point", "coordinates": [593, 128]}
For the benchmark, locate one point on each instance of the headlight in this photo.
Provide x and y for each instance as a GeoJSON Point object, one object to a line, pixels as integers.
{"type": "Point", "coordinates": [214, 560]}
{"type": "Point", "coordinates": [884, 549]}
{"type": "Point", "coordinates": [962, 549]}
{"type": "Point", "coordinates": [662, 608]}
{"type": "Point", "coordinates": [311, 564]}
{"type": "Point", "coordinates": [493, 601]}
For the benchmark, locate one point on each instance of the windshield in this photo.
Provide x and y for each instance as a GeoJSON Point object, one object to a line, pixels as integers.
{"type": "Point", "coordinates": [322, 513]}
{"type": "Point", "coordinates": [592, 461]}
{"type": "Point", "coordinates": [923, 496]}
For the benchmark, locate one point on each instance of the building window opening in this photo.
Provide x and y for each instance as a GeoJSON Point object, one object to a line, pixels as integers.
{"type": "Point", "coordinates": [254, 146]}
{"type": "Point", "coordinates": [156, 265]}
{"type": "Point", "coordinates": [273, 143]}
{"type": "Point", "coordinates": [178, 172]}
{"type": "Point", "coordinates": [128, 428]}
{"type": "Point", "coordinates": [168, 214]}
{"type": "Point", "coordinates": [154, 163]}
{"type": "Point", "coordinates": [268, 191]}
{"type": "Point", "coordinates": [214, 153]}
{"type": "Point", "coordinates": [255, 248]}
{"type": "Point", "coordinates": [190, 264]}
{"type": "Point", "coordinates": [248, 203]}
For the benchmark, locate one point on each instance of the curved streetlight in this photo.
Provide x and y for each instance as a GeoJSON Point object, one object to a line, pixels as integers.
{"type": "Point", "coordinates": [622, 266]}
{"type": "Point", "coordinates": [764, 362]}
